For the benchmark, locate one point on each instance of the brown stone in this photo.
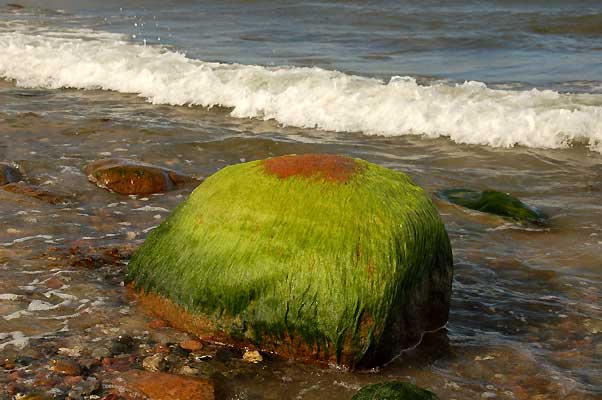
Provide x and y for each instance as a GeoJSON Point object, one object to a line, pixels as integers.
{"type": "Point", "coordinates": [65, 367]}
{"type": "Point", "coordinates": [191, 345]}
{"type": "Point", "coordinates": [24, 189]}
{"type": "Point", "coordinates": [330, 167]}
{"type": "Point", "coordinates": [163, 386]}
{"type": "Point", "coordinates": [54, 283]}
{"type": "Point", "coordinates": [9, 174]}
{"type": "Point", "coordinates": [117, 364]}
{"type": "Point", "coordinates": [132, 177]}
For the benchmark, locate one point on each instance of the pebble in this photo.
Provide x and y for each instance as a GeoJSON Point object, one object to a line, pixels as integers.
{"type": "Point", "coordinates": [122, 344]}
{"type": "Point", "coordinates": [187, 370]}
{"type": "Point", "coordinates": [488, 395]}
{"type": "Point", "coordinates": [65, 367]}
{"type": "Point", "coordinates": [191, 345]}
{"type": "Point", "coordinates": [154, 363]}
{"type": "Point", "coordinates": [252, 356]}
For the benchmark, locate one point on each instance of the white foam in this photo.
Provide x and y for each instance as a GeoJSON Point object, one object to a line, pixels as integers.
{"type": "Point", "coordinates": [303, 97]}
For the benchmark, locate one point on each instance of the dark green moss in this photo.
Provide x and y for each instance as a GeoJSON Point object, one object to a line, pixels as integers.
{"type": "Point", "coordinates": [494, 202]}
{"type": "Point", "coordinates": [394, 391]}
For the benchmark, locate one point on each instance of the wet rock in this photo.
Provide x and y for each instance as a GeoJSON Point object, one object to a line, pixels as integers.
{"type": "Point", "coordinates": [298, 267]}
{"type": "Point", "coordinates": [593, 326]}
{"type": "Point", "coordinates": [35, 192]}
{"type": "Point", "coordinates": [187, 370]}
{"type": "Point", "coordinates": [394, 391]}
{"type": "Point", "coordinates": [85, 387]}
{"type": "Point", "coordinates": [494, 202]}
{"type": "Point", "coordinates": [8, 363]}
{"type": "Point", "coordinates": [131, 177]}
{"type": "Point", "coordinates": [9, 174]}
{"type": "Point", "coordinates": [65, 367]}
{"type": "Point", "coordinates": [154, 363]}
{"type": "Point", "coordinates": [122, 344]}
{"type": "Point", "coordinates": [117, 364]}
{"type": "Point", "coordinates": [162, 386]}
{"type": "Point", "coordinates": [191, 345]}
{"type": "Point", "coordinates": [54, 283]}
{"type": "Point", "coordinates": [252, 356]}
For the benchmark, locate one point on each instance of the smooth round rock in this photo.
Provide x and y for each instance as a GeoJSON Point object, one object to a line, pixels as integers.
{"type": "Point", "coordinates": [132, 177]}
{"type": "Point", "coordinates": [9, 174]}
{"type": "Point", "coordinates": [394, 391]}
{"type": "Point", "coordinates": [493, 202]}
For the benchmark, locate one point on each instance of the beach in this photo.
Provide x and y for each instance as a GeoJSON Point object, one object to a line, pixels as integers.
{"type": "Point", "coordinates": [450, 94]}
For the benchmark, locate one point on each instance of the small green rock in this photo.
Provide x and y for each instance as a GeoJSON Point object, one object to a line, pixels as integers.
{"type": "Point", "coordinates": [493, 202]}
{"type": "Point", "coordinates": [394, 391]}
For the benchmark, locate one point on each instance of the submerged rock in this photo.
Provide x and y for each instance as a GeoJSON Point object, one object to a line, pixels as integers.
{"type": "Point", "coordinates": [35, 192]}
{"type": "Point", "coordinates": [162, 386]}
{"type": "Point", "coordinates": [131, 177]}
{"type": "Point", "coordinates": [493, 202]}
{"type": "Point", "coordinates": [318, 257]}
{"type": "Point", "coordinates": [9, 174]}
{"type": "Point", "coordinates": [393, 391]}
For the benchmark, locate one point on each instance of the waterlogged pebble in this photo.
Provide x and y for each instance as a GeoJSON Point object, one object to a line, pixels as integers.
{"type": "Point", "coordinates": [9, 174]}
{"type": "Point", "coordinates": [488, 395]}
{"type": "Point", "coordinates": [191, 345]}
{"type": "Point", "coordinates": [252, 356]}
{"type": "Point", "coordinates": [83, 388]}
{"type": "Point", "coordinates": [593, 326]}
{"type": "Point", "coordinates": [132, 177]}
{"type": "Point", "coordinates": [122, 344]}
{"type": "Point", "coordinates": [394, 391]}
{"type": "Point", "coordinates": [154, 363]}
{"type": "Point", "coordinates": [493, 202]}
{"type": "Point", "coordinates": [187, 370]}
{"type": "Point", "coordinates": [65, 367]}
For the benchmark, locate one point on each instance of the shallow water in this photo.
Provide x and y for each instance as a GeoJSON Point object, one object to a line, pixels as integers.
{"type": "Point", "coordinates": [526, 311]}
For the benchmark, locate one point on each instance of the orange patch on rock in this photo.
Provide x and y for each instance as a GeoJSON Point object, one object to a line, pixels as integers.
{"type": "Point", "coordinates": [330, 167]}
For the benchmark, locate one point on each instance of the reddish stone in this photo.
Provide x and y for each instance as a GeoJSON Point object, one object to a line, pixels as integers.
{"type": "Point", "coordinates": [54, 283]}
{"type": "Point", "coordinates": [162, 386]}
{"type": "Point", "coordinates": [330, 167]}
{"type": "Point", "coordinates": [118, 364]}
{"type": "Point", "coordinates": [132, 177]}
{"type": "Point", "coordinates": [65, 367]}
{"type": "Point", "coordinates": [191, 345]}
{"type": "Point", "coordinates": [162, 349]}
{"type": "Point", "coordinates": [16, 375]}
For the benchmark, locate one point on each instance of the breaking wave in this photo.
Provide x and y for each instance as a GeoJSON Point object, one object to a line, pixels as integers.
{"type": "Point", "coordinates": [469, 113]}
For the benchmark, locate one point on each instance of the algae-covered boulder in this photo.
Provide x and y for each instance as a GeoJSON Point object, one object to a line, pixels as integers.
{"type": "Point", "coordinates": [317, 257]}
{"type": "Point", "coordinates": [394, 391]}
{"type": "Point", "coordinates": [494, 202]}
{"type": "Point", "coordinates": [131, 177]}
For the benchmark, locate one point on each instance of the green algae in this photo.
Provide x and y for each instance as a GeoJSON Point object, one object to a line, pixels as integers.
{"type": "Point", "coordinates": [494, 202]}
{"type": "Point", "coordinates": [267, 259]}
{"type": "Point", "coordinates": [393, 391]}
